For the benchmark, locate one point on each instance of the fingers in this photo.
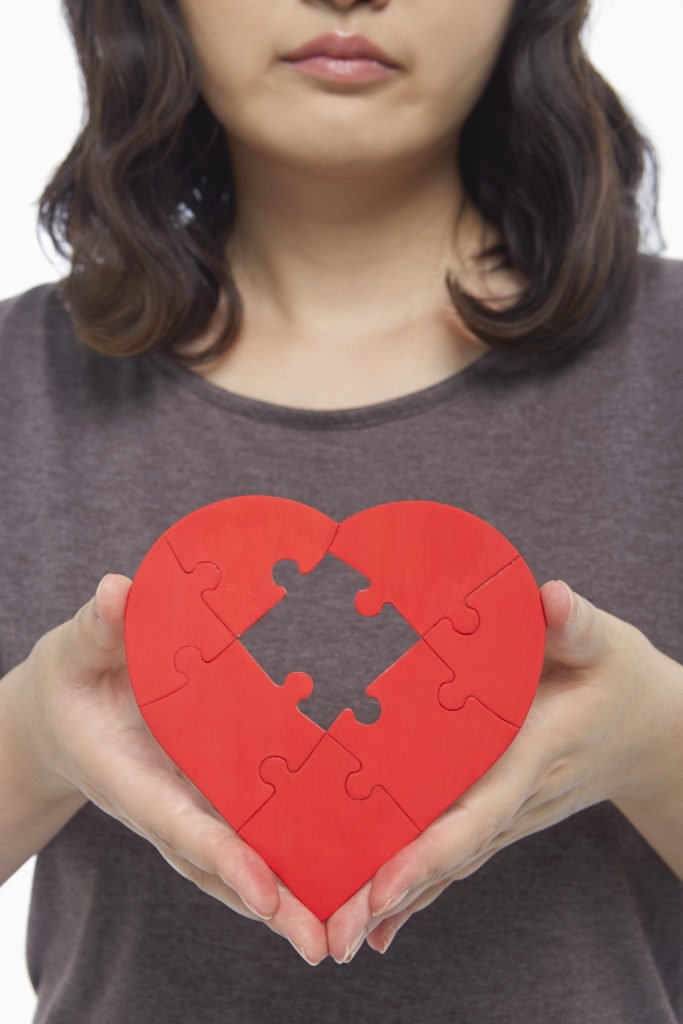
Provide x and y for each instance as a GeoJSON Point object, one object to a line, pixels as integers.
{"type": "Point", "coordinates": [381, 937]}
{"type": "Point", "coordinates": [291, 920]}
{"type": "Point", "coordinates": [463, 831]}
{"type": "Point", "coordinates": [93, 640]}
{"type": "Point", "coordinates": [541, 815]}
{"type": "Point", "coordinates": [557, 598]}
{"type": "Point", "coordinates": [578, 634]}
{"type": "Point", "coordinates": [357, 921]}
{"type": "Point", "coordinates": [207, 882]}
{"type": "Point", "coordinates": [115, 762]}
{"type": "Point", "coordinates": [506, 804]}
{"type": "Point", "coordinates": [295, 922]}
{"type": "Point", "coordinates": [154, 801]}
{"type": "Point", "coordinates": [417, 867]}
{"type": "Point", "coordinates": [459, 836]}
{"type": "Point", "coordinates": [349, 925]}
{"type": "Point", "coordinates": [149, 796]}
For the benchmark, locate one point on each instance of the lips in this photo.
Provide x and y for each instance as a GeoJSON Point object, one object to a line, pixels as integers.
{"type": "Point", "coordinates": [342, 47]}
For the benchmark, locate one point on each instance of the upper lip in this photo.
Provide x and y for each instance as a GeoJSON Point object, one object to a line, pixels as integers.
{"type": "Point", "coordinates": [336, 44]}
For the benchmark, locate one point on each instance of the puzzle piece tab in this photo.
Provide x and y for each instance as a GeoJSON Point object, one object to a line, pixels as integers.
{"type": "Point", "coordinates": [229, 716]}
{"type": "Point", "coordinates": [424, 557]}
{"type": "Point", "coordinates": [164, 611]}
{"type": "Point", "coordinates": [323, 845]}
{"type": "Point", "coordinates": [327, 809]}
{"type": "Point", "coordinates": [245, 536]}
{"type": "Point", "coordinates": [501, 662]}
{"type": "Point", "coordinates": [424, 755]}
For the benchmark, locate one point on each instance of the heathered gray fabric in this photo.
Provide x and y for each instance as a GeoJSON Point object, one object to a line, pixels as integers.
{"type": "Point", "coordinates": [579, 464]}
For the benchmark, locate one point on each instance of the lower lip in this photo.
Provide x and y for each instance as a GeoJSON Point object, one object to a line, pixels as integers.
{"type": "Point", "coordinates": [336, 69]}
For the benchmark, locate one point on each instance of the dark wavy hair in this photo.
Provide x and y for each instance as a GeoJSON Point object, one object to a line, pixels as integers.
{"type": "Point", "coordinates": [144, 199]}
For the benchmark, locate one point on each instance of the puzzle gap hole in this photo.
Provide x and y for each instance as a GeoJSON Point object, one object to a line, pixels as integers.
{"type": "Point", "coordinates": [357, 648]}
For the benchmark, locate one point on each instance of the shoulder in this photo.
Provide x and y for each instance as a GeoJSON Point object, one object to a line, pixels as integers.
{"type": "Point", "coordinates": [661, 271]}
{"type": "Point", "coordinates": [33, 325]}
{"type": "Point", "coordinates": [31, 329]}
{"type": "Point", "coordinates": [661, 283]}
{"type": "Point", "coordinates": [653, 332]}
{"type": "Point", "coordinates": [658, 308]}
{"type": "Point", "coordinates": [24, 313]}
{"type": "Point", "coordinates": [47, 364]}
{"type": "Point", "coordinates": [643, 347]}
{"type": "Point", "coordinates": [638, 365]}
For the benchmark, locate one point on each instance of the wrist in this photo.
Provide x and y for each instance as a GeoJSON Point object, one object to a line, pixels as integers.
{"type": "Point", "coordinates": [654, 806]}
{"type": "Point", "coordinates": [34, 802]}
{"type": "Point", "coordinates": [655, 778]}
{"type": "Point", "coordinates": [22, 733]}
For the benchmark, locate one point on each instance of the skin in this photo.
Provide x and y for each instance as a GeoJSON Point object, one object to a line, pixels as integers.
{"type": "Point", "coordinates": [331, 181]}
{"type": "Point", "coordinates": [606, 723]}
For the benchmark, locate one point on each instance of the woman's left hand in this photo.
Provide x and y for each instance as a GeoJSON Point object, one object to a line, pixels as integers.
{"type": "Point", "coordinates": [601, 727]}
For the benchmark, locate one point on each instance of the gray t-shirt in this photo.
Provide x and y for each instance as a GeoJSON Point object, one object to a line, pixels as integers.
{"type": "Point", "coordinates": [577, 462]}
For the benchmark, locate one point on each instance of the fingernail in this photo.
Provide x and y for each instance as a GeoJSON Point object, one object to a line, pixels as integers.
{"type": "Point", "coordinates": [354, 946]}
{"type": "Point", "coordinates": [393, 901]}
{"type": "Point", "coordinates": [302, 953]}
{"type": "Point", "coordinates": [250, 906]}
{"type": "Point", "coordinates": [389, 940]}
{"type": "Point", "coordinates": [96, 603]}
{"type": "Point", "coordinates": [573, 603]}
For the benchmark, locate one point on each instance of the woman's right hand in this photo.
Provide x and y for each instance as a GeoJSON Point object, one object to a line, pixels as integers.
{"type": "Point", "coordinates": [92, 738]}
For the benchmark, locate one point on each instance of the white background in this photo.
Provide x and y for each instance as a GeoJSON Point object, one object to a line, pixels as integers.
{"type": "Point", "coordinates": [635, 45]}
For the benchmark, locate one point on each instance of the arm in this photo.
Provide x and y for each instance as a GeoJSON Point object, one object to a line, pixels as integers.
{"type": "Point", "coordinates": [655, 808]}
{"type": "Point", "coordinates": [71, 731]}
{"type": "Point", "coordinates": [33, 804]}
{"type": "Point", "coordinates": [606, 724]}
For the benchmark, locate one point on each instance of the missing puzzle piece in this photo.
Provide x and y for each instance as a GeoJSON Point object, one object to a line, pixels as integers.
{"type": "Point", "coordinates": [316, 629]}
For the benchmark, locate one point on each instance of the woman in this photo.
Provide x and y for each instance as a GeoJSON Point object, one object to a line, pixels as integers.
{"type": "Point", "coordinates": [256, 305]}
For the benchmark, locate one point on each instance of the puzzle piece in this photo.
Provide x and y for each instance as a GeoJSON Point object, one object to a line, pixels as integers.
{"type": "Point", "coordinates": [327, 809]}
{"type": "Point", "coordinates": [323, 845]}
{"type": "Point", "coordinates": [315, 630]}
{"type": "Point", "coordinates": [164, 611]}
{"type": "Point", "coordinates": [441, 752]}
{"type": "Point", "coordinates": [501, 662]}
{"type": "Point", "coordinates": [225, 720]}
{"type": "Point", "coordinates": [245, 536]}
{"type": "Point", "coordinates": [424, 557]}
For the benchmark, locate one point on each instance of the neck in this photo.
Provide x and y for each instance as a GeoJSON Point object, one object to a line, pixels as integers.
{"type": "Point", "coordinates": [342, 280]}
{"type": "Point", "coordinates": [329, 251]}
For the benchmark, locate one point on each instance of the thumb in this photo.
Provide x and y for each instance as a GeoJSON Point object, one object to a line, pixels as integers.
{"type": "Point", "coordinates": [576, 634]}
{"type": "Point", "coordinates": [96, 636]}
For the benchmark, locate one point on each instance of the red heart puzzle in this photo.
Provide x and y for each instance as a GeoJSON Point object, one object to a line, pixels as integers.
{"type": "Point", "coordinates": [326, 808]}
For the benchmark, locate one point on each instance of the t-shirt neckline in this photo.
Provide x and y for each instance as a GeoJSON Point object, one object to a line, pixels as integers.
{"type": "Point", "coordinates": [321, 419]}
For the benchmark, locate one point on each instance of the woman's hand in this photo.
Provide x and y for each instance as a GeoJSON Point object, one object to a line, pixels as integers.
{"type": "Point", "coordinates": [92, 738]}
{"type": "Point", "coordinates": [606, 723]}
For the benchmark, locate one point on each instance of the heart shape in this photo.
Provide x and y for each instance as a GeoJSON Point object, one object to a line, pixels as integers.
{"type": "Point", "coordinates": [326, 808]}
